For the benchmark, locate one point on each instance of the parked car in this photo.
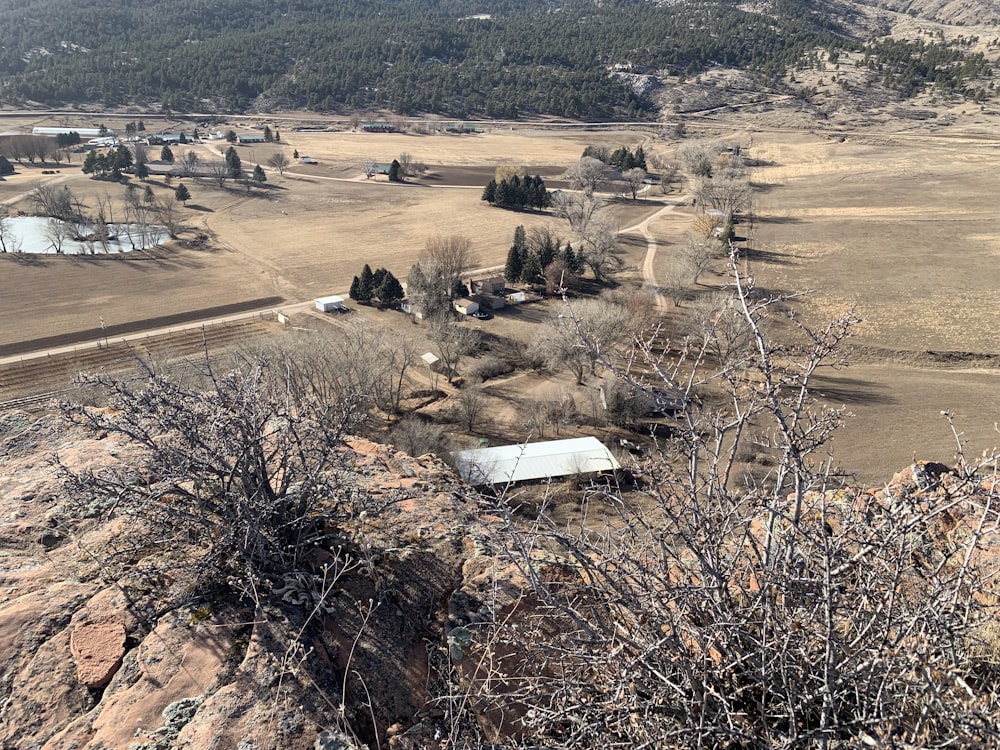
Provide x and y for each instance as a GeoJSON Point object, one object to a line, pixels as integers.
{"type": "Point", "coordinates": [482, 315]}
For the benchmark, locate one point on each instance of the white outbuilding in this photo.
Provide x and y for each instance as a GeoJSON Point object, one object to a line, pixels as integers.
{"type": "Point", "coordinates": [329, 304]}
{"type": "Point", "coordinates": [552, 459]}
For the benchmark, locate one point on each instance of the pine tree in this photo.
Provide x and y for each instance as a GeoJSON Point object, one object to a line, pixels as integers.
{"type": "Point", "coordinates": [258, 174]}
{"type": "Point", "coordinates": [390, 291]}
{"type": "Point", "coordinates": [267, 134]}
{"type": "Point", "coordinates": [355, 291]}
{"type": "Point", "coordinates": [365, 284]}
{"type": "Point", "coordinates": [394, 171]}
{"type": "Point", "coordinates": [531, 271]}
{"type": "Point", "coordinates": [182, 194]}
{"type": "Point", "coordinates": [234, 162]}
{"type": "Point", "coordinates": [167, 155]}
{"type": "Point", "coordinates": [515, 262]}
{"type": "Point", "coordinates": [490, 192]}
{"type": "Point", "coordinates": [141, 170]}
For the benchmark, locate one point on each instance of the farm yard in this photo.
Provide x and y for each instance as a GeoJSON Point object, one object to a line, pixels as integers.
{"type": "Point", "coordinates": [900, 229]}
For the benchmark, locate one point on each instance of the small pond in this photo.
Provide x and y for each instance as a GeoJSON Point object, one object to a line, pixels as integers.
{"type": "Point", "coordinates": [41, 234]}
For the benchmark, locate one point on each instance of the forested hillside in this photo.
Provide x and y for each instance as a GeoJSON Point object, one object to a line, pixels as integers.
{"type": "Point", "coordinates": [499, 58]}
{"type": "Point", "coordinates": [461, 58]}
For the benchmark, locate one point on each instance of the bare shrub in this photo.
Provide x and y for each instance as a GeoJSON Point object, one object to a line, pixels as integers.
{"type": "Point", "coordinates": [790, 612]}
{"type": "Point", "coordinates": [417, 436]}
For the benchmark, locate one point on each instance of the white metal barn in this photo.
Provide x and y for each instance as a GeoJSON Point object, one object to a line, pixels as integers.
{"type": "Point", "coordinates": [82, 132]}
{"type": "Point", "coordinates": [328, 304]}
{"type": "Point", "coordinates": [530, 461]}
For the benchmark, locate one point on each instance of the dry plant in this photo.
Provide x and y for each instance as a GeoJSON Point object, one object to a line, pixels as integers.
{"type": "Point", "coordinates": [713, 612]}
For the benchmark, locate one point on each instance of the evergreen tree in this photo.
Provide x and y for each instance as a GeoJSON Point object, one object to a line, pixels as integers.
{"type": "Point", "coordinates": [90, 163]}
{"type": "Point", "coordinates": [277, 136]}
{"type": "Point", "coordinates": [515, 256]}
{"type": "Point", "coordinates": [167, 155]}
{"type": "Point", "coordinates": [355, 291]}
{"type": "Point", "coordinates": [394, 171]}
{"type": "Point", "coordinates": [377, 278]}
{"type": "Point", "coordinates": [267, 134]}
{"type": "Point", "coordinates": [365, 284]}
{"type": "Point", "coordinates": [490, 192]}
{"type": "Point", "coordinates": [258, 174]}
{"type": "Point", "coordinates": [640, 158]}
{"type": "Point", "coordinates": [183, 139]}
{"type": "Point", "coordinates": [390, 291]}
{"type": "Point", "coordinates": [234, 162]}
{"type": "Point", "coordinates": [141, 170]}
{"type": "Point", "coordinates": [573, 259]}
{"type": "Point", "coordinates": [546, 251]}
{"type": "Point", "coordinates": [531, 270]}
{"type": "Point", "coordinates": [182, 194]}
{"type": "Point", "coordinates": [121, 158]}
{"type": "Point", "coordinates": [231, 136]}
{"type": "Point", "coordinates": [515, 262]}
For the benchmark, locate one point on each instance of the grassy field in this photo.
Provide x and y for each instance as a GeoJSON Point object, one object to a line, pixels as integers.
{"type": "Point", "coordinates": [900, 229]}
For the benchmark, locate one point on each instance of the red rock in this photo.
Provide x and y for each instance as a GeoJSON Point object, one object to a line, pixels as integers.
{"type": "Point", "coordinates": [98, 648]}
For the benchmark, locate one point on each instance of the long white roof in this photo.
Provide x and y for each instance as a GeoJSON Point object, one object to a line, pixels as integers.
{"type": "Point", "coordinates": [527, 461]}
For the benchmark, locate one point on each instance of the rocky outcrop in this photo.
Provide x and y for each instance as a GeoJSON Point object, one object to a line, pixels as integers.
{"type": "Point", "coordinates": [86, 667]}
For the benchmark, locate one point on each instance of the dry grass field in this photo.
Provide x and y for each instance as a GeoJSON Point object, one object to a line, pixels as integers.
{"type": "Point", "coordinates": [902, 229]}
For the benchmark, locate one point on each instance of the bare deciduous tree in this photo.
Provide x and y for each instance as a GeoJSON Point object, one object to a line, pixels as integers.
{"type": "Point", "coordinates": [54, 200]}
{"type": "Point", "coordinates": [369, 167]}
{"type": "Point", "coordinates": [633, 179]}
{"type": "Point", "coordinates": [452, 255]}
{"type": "Point", "coordinates": [189, 163]}
{"type": "Point", "coordinates": [169, 214]}
{"type": "Point", "coordinates": [698, 158]}
{"type": "Point", "coordinates": [587, 175]}
{"type": "Point", "coordinates": [453, 340]}
{"type": "Point", "coordinates": [728, 195]}
{"type": "Point", "coordinates": [600, 250]}
{"type": "Point", "coordinates": [577, 208]}
{"type": "Point", "coordinates": [9, 242]}
{"type": "Point", "coordinates": [278, 160]}
{"type": "Point", "coordinates": [219, 171]}
{"type": "Point", "coordinates": [469, 405]}
{"type": "Point", "coordinates": [405, 164]}
{"type": "Point", "coordinates": [699, 253]}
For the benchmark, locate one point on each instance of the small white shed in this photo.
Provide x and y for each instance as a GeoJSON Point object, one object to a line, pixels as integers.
{"type": "Point", "coordinates": [466, 306]}
{"type": "Point", "coordinates": [328, 304]}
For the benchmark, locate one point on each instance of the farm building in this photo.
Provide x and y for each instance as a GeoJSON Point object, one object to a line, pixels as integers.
{"type": "Point", "coordinates": [492, 285]}
{"type": "Point", "coordinates": [329, 304]}
{"type": "Point", "coordinates": [466, 306]}
{"type": "Point", "coordinates": [82, 132]}
{"type": "Point", "coordinates": [163, 139]}
{"type": "Point", "coordinates": [250, 138]}
{"type": "Point", "coordinates": [378, 127]}
{"type": "Point", "coordinates": [524, 462]}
